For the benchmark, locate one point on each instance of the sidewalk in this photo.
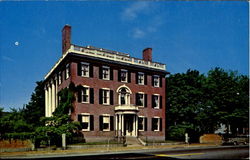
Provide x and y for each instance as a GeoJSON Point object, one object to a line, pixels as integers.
{"type": "Point", "coordinates": [49, 153]}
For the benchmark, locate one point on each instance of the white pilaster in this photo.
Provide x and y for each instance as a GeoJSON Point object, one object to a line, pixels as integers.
{"type": "Point", "coordinates": [122, 122]}
{"type": "Point", "coordinates": [46, 100]}
{"type": "Point", "coordinates": [133, 132]}
{"type": "Point", "coordinates": [136, 125]}
{"type": "Point", "coordinates": [49, 100]}
{"type": "Point", "coordinates": [53, 97]}
{"type": "Point", "coordinates": [120, 125]}
{"type": "Point", "coordinates": [56, 89]}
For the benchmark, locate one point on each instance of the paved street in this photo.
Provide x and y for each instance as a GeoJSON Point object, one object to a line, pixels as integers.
{"type": "Point", "coordinates": [219, 152]}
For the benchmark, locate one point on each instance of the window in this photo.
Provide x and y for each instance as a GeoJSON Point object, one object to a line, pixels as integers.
{"type": "Point", "coordinates": [156, 101]}
{"type": "Point", "coordinates": [141, 78]}
{"type": "Point", "coordinates": [67, 71]}
{"type": "Point", "coordinates": [85, 95]}
{"type": "Point", "coordinates": [124, 75]}
{"type": "Point", "coordinates": [105, 73]}
{"type": "Point", "coordinates": [140, 99]}
{"type": "Point", "coordinates": [84, 69]}
{"type": "Point", "coordinates": [106, 120]}
{"type": "Point", "coordinates": [87, 121]}
{"type": "Point", "coordinates": [156, 81]}
{"type": "Point", "coordinates": [105, 96]}
{"type": "Point", "coordinates": [59, 78]}
{"type": "Point", "coordinates": [156, 124]}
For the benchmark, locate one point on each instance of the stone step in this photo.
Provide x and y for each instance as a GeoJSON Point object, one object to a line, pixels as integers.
{"type": "Point", "coordinates": [132, 141]}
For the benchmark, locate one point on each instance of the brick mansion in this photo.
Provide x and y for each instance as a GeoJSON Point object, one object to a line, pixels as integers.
{"type": "Point", "coordinates": [118, 95]}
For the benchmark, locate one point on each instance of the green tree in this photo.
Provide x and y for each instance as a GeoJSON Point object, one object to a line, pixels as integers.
{"type": "Point", "coordinates": [60, 122]}
{"type": "Point", "coordinates": [35, 109]}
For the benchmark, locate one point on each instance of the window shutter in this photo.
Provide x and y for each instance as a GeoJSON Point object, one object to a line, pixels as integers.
{"type": "Point", "coordinates": [145, 100]}
{"type": "Point", "coordinates": [79, 94]}
{"type": "Point", "coordinates": [145, 124]}
{"type": "Point", "coordinates": [129, 77]}
{"type": "Point", "coordinates": [64, 74]}
{"type": "Point", "coordinates": [160, 124]}
{"type": "Point", "coordinates": [100, 96]}
{"type": "Point", "coordinates": [101, 122]}
{"type": "Point", "coordinates": [111, 97]}
{"type": "Point", "coordinates": [152, 124]}
{"type": "Point", "coordinates": [80, 118]}
{"type": "Point", "coordinates": [111, 123]}
{"type": "Point", "coordinates": [160, 81]}
{"type": "Point", "coordinates": [91, 122]}
{"type": "Point", "coordinates": [145, 79]}
{"type": "Point", "coordinates": [100, 72]}
{"type": "Point", "coordinates": [137, 99]}
{"type": "Point", "coordinates": [119, 75]}
{"type": "Point", "coordinates": [79, 69]}
{"type": "Point", "coordinates": [90, 70]}
{"type": "Point", "coordinates": [91, 95]}
{"type": "Point", "coordinates": [160, 101]}
{"type": "Point", "coordinates": [111, 73]}
{"type": "Point", "coordinates": [136, 78]}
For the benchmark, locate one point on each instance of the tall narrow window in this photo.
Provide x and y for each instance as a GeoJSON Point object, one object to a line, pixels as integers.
{"type": "Point", "coordinates": [105, 96]}
{"type": "Point", "coordinates": [141, 123]}
{"type": "Point", "coordinates": [140, 99]}
{"type": "Point", "coordinates": [85, 122]}
{"type": "Point", "coordinates": [124, 75]}
{"type": "Point", "coordinates": [156, 101]}
{"type": "Point", "coordinates": [141, 78]}
{"type": "Point", "coordinates": [85, 95]}
{"type": "Point", "coordinates": [106, 122]}
{"type": "Point", "coordinates": [105, 73]}
{"type": "Point", "coordinates": [84, 69]}
{"type": "Point", "coordinates": [67, 71]}
{"type": "Point", "coordinates": [156, 124]}
{"type": "Point", "coordinates": [156, 81]}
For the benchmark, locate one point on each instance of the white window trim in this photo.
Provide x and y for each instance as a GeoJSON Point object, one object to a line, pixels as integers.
{"type": "Point", "coordinates": [106, 115]}
{"type": "Point", "coordinates": [158, 77]}
{"type": "Point", "coordinates": [106, 67]}
{"type": "Point", "coordinates": [84, 63]}
{"type": "Point", "coordinates": [157, 107]}
{"type": "Point", "coordinates": [59, 78]}
{"type": "Point", "coordinates": [124, 70]}
{"type": "Point", "coordinates": [143, 79]}
{"type": "Point", "coordinates": [86, 114]}
{"type": "Point", "coordinates": [67, 70]}
{"type": "Point", "coordinates": [108, 101]}
{"type": "Point", "coordinates": [143, 123]}
{"type": "Point", "coordinates": [143, 101]}
{"type": "Point", "coordinates": [88, 93]}
{"type": "Point", "coordinates": [158, 127]}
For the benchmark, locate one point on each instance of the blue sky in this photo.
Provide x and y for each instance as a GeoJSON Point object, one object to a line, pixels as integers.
{"type": "Point", "coordinates": [196, 35]}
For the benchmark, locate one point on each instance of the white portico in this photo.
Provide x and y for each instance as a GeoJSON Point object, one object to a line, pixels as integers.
{"type": "Point", "coordinates": [125, 114]}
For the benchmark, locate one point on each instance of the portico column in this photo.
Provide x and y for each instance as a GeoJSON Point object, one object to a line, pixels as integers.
{"type": "Point", "coordinates": [56, 96]}
{"type": "Point", "coordinates": [136, 125]}
{"type": "Point", "coordinates": [122, 122]}
{"type": "Point", "coordinates": [53, 97]}
{"type": "Point", "coordinates": [46, 100]}
{"type": "Point", "coordinates": [49, 100]}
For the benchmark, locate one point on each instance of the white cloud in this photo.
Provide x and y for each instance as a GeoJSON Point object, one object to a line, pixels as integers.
{"type": "Point", "coordinates": [138, 33]}
{"type": "Point", "coordinates": [5, 58]}
{"type": "Point", "coordinates": [133, 10]}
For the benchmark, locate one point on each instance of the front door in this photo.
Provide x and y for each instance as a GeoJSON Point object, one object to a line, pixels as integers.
{"type": "Point", "coordinates": [129, 125]}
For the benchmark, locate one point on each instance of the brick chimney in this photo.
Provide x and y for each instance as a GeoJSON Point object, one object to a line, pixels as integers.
{"type": "Point", "coordinates": [66, 38]}
{"type": "Point", "coordinates": [147, 54]}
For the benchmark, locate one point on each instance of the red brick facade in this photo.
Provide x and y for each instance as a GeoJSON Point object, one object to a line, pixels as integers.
{"type": "Point", "coordinates": [96, 109]}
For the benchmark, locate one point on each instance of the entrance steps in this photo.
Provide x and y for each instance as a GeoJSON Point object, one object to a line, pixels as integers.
{"type": "Point", "coordinates": [132, 141]}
